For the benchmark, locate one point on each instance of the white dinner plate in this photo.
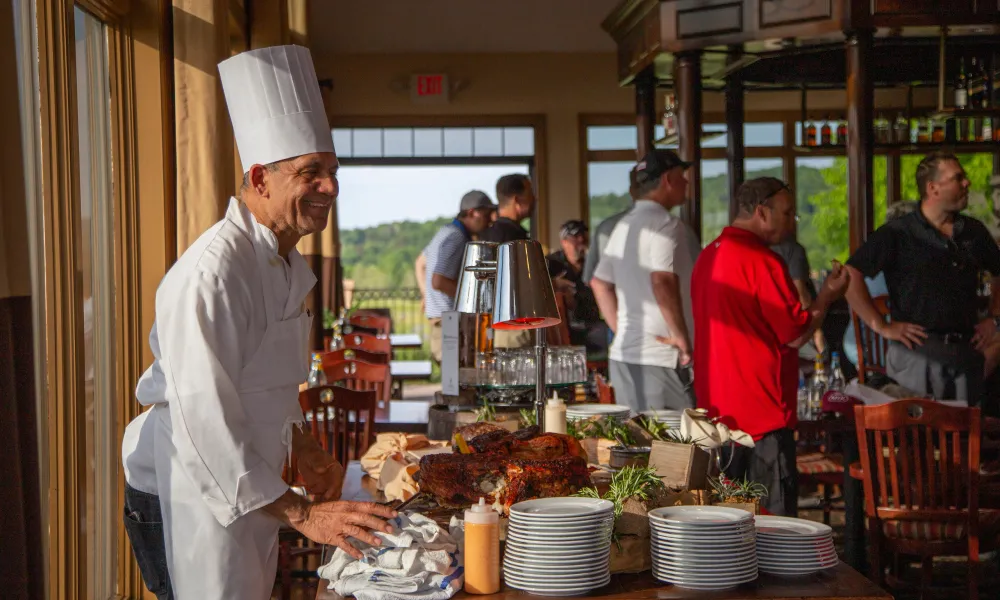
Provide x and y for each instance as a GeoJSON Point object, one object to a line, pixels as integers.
{"type": "Point", "coordinates": [726, 571]}
{"type": "Point", "coordinates": [558, 590]}
{"type": "Point", "coordinates": [551, 563]}
{"type": "Point", "coordinates": [562, 507]}
{"type": "Point", "coordinates": [703, 584]}
{"type": "Point", "coordinates": [544, 581]}
{"type": "Point", "coordinates": [523, 530]}
{"type": "Point", "coordinates": [593, 553]}
{"type": "Point", "coordinates": [561, 575]}
{"type": "Point", "coordinates": [785, 527]}
{"type": "Point", "coordinates": [695, 542]}
{"type": "Point", "coordinates": [705, 515]}
{"type": "Point", "coordinates": [739, 559]}
{"type": "Point", "coordinates": [793, 572]}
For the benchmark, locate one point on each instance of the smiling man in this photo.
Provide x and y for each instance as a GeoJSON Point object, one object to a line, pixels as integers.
{"type": "Point", "coordinates": [204, 496]}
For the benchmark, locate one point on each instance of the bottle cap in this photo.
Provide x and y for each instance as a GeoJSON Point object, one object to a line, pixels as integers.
{"type": "Point", "coordinates": [555, 400]}
{"type": "Point", "coordinates": [482, 513]}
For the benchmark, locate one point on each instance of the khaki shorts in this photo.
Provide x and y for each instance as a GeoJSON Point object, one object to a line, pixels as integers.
{"type": "Point", "coordinates": [436, 340]}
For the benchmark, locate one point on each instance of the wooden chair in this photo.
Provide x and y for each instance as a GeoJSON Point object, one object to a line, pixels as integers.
{"type": "Point", "coordinates": [375, 358]}
{"type": "Point", "coordinates": [920, 462]}
{"type": "Point", "coordinates": [383, 325]}
{"type": "Point", "coordinates": [872, 348]}
{"type": "Point", "coordinates": [359, 375]}
{"type": "Point", "coordinates": [371, 343]}
{"type": "Point", "coordinates": [559, 335]}
{"type": "Point", "coordinates": [342, 422]}
{"type": "Point", "coordinates": [818, 459]}
{"type": "Point", "coordinates": [605, 393]}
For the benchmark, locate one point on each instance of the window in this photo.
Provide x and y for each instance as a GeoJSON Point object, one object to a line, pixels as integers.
{"type": "Point", "coordinates": [607, 183]}
{"type": "Point", "coordinates": [714, 199]}
{"type": "Point", "coordinates": [99, 497]}
{"type": "Point", "coordinates": [757, 135]}
{"type": "Point", "coordinates": [433, 142]}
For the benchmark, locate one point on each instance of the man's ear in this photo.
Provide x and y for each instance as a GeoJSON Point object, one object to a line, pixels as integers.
{"type": "Point", "coordinates": [258, 179]}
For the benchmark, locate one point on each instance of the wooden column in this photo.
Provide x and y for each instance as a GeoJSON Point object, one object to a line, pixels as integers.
{"type": "Point", "coordinates": [645, 110]}
{"type": "Point", "coordinates": [687, 83]}
{"type": "Point", "coordinates": [735, 148]}
{"type": "Point", "coordinates": [860, 137]}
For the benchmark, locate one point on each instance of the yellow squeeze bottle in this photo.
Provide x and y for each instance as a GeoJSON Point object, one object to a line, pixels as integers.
{"type": "Point", "coordinates": [482, 549]}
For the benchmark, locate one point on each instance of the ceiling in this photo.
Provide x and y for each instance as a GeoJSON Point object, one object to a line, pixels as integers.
{"type": "Point", "coordinates": [459, 26]}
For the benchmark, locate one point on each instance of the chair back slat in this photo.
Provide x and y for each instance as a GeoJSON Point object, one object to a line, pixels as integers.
{"type": "Point", "coordinates": [334, 356]}
{"type": "Point", "coordinates": [917, 456]}
{"type": "Point", "coordinates": [371, 343]}
{"type": "Point", "coordinates": [341, 419]}
{"type": "Point", "coordinates": [382, 325]}
{"type": "Point", "coordinates": [359, 375]}
{"type": "Point", "coordinates": [872, 348]}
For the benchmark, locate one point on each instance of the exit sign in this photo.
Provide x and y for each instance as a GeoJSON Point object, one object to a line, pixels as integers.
{"type": "Point", "coordinates": [431, 87]}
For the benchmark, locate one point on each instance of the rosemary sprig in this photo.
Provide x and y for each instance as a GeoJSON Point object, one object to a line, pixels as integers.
{"type": "Point", "coordinates": [629, 482]}
{"type": "Point", "coordinates": [529, 418]}
{"type": "Point", "coordinates": [486, 412]}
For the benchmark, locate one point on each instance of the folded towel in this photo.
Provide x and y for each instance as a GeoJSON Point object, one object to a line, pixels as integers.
{"type": "Point", "coordinates": [419, 560]}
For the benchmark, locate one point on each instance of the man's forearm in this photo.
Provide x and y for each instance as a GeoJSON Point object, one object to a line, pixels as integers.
{"type": "Point", "coordinates": [666, 290]}
{"type": "Point", "coordinates": [817, 313]}
{"type": "Point", "coordinates": [448, 287]}
{"type": "Point", "coordinates": [861, 301]}
{"type": "Point", "coordinates": [607, 301]}
{"type": "Point", "coordinates": [290, 508]}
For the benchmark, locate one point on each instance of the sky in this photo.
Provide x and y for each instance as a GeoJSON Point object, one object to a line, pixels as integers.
{"type": "Point", "coordinates": [374, 195]}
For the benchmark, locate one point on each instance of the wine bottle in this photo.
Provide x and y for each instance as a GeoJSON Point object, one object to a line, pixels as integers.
{"type": "Point", "coordinates": [962, 87]}
{"type": "Point", "coordinates": [825, 133]}
{"type": "Point", "coordinates": [810, 134]}
{"type": "Point", "coordinates": [842, 132]}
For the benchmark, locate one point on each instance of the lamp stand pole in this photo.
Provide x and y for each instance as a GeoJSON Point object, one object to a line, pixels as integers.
{"type": "Point", "coordinates": [541, 353]}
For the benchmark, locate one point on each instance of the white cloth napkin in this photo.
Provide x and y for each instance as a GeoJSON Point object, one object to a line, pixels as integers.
{"type": "Point", "coordinates": [711, 434]}
{"type": "Point", "coordinates": [419, 560]}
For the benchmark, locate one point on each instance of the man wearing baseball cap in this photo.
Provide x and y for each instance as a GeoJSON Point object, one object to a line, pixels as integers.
{"type": "Point", "coordinates": [642, 286]}
{"type": "Point", "coordinates": [749, 324]}
{"type": "Point", "coordinates": [443, 260]}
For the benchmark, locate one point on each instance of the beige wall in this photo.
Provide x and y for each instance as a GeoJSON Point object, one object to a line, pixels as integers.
{"type": "Point", "coordinates": [559, 86]}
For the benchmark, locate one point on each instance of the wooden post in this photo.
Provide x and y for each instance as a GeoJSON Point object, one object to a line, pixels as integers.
{"type": "Point", "coordinates": [860, 137]}
{"type": "Point", "coordinates": [735, 148]}
{"type": "Point", "coordinates": [645, 110]}
{"type": "Point", "coordinates": [687, 82]}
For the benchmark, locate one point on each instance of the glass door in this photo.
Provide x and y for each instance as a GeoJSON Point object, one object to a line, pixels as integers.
{"type": "Point", "coordinates": [95, 269]}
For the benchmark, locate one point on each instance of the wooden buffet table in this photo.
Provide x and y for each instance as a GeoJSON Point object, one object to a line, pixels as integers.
{"type": "Point", "coordinates": [840, 583]}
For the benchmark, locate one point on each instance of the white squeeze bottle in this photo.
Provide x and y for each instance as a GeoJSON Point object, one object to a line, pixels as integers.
{"type": "Point", "coordinates": [482, 549]}
{"type": "Point", "coordinates": [555, 415]}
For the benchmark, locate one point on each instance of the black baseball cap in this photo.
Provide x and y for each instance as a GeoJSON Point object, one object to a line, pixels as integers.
{"type": "Point", "coordinates": [656, 163]}
{"type": "Point", "coordinates": [573, 228]}
{"type": "Point", "coordinates": [475, 199]}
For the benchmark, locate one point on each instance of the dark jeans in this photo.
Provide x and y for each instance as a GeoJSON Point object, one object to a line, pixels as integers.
{"type": "Point", "coordinates": [770, 462]}
{"type": "Point", "coordinates": [144, 526]}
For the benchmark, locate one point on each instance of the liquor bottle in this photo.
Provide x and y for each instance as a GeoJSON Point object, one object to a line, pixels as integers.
{"type": "Point", "coordinates": [902, 129]}
{"type": "Point", "coordinates": [837, 380]}
{"type": "Point", "coordinates": [881, 127]}
{"type": "Point", "coordinates": [987, 132]}
{"type": "Point", "coordinates": [937, 135]}
{"type": "Point", "coordinates": [810, 134]}
{"type": "Point", "coordinates": [977, 83]}
{"type": "Point", "coordinates": [923, 133]}
{"type": "Point", "coordinates": [817, 387]}
{"type": "Point", "coordinates": [825, 133]}
{"type": "Point", "coordinates": [842, 132]}
{"type": "Point", "coordinates": [962, 87]}
{"type": "Point", "coordinates": [670, 117]}
{"type": "Point", "coordinates": [977, 129]}
{"type": "Point", "coordinates": [803, 400]}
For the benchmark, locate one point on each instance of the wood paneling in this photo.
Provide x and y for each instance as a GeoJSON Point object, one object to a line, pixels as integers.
{"type": "Point", "coordinates": [787, 12]}
{"type": "Point", "coordinates": [710, 20]}
{"type": "Point", "coordinates": [645, 110]}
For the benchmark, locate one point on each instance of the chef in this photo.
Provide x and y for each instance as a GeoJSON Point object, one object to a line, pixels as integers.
{"type": "Point", "coordinates": [204, 497]}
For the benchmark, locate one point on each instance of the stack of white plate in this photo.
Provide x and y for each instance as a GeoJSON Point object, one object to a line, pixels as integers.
{"type": "Point", "coordinates": [579, 412]}
{"type": "Point", "coordinates": [787, 546]}
{"type": "Point", "coordinates": [703, 547]}
{"type": "Point", "coordinates": [671, 417]}
{"type": "Point", "coordinates": [559, 546]}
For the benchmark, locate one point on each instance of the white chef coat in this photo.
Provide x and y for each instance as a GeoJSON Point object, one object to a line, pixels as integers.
{"type": "Point", "coordinates": [230, 349]}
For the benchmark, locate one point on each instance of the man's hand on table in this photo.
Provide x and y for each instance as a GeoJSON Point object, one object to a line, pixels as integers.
{"type": "Point", "coordinates": [331, 523]}
{"type": "Point", "coordinates": [322, 474]}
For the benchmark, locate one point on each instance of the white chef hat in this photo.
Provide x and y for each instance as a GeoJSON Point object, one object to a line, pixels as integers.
{"type": "Point", "coordinates": [275, 104]}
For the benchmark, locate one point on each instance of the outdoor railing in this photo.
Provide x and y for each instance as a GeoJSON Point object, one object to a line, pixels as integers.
{"type": "Point", "coordinates": [407, 315]}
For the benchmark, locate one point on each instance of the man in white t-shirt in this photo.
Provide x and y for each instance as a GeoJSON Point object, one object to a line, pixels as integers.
{"type": "Point", "coordinates": [643, 288]}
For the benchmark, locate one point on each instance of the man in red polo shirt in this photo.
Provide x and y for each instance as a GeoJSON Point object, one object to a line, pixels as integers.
{"type": "Point", "coordinates": [748, 323]}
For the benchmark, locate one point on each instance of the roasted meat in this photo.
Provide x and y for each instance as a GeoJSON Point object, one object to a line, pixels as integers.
{"type": "Point", "coordinates": [486, 438]}
{"type": "Point", "coordinates": [480, 435]}
{"type": "Point", "coordinates": [461, 479]}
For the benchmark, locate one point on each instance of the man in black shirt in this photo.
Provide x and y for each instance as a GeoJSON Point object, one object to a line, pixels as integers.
{"type": "Point", "coordinates": [932, 260]}
{"type": "Point", "coordinates": [585, 325]}
{"type": "Point", "coordinates": [516, 201]}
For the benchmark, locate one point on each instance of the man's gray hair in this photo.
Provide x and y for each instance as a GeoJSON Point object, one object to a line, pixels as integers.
{"type": "Point", "coordinates": [271, 167]}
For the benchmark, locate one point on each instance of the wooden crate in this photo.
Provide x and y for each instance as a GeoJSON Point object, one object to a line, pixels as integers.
{"type": "Point", "coordinates": [680, 465]}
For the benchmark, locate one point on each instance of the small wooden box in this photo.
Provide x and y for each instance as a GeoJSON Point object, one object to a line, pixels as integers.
{"type": "Point", "coordinates": [680, 465]}
{"type": "Point", "coordinates": [751, 507]}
